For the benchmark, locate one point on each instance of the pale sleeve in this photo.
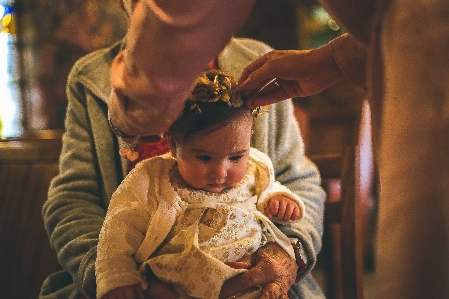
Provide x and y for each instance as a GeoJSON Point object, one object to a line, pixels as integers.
{"type": "Point", "coordinates": [169, 43]}
{"type": "Point", "coordinates": [122, 233]}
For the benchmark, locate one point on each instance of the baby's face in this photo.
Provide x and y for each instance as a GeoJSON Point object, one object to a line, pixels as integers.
{"type": "Point", "coordinates": [216, 161]}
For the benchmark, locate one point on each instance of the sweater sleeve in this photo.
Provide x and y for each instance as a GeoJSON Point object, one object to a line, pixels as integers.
{"type": "Point", "coordinates": [74, 211]}
{"type": "Point", "coordinates": [350, 56]}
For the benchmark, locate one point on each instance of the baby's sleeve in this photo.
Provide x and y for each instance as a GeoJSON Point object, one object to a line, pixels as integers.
{"type": "Point", "coordinates": [122, 233]}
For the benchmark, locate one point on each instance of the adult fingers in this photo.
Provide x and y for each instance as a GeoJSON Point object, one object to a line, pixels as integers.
{"type": "Point", "coordinates": [243, 263]}
{"type": "Point", "coordinates": [234, 285]}
{"type": "Point", "coordinates": [266, 98]}
{"type": "Point", "coordinates": [272, 291]}
{"type": "Point", "coordinates": [274, 92]}
{"type": "Point", "coordinates": [279, 264]}
{"type": "Point", "coordinates": [138, 290]}
{"type": "Point", "coordinates": [129, 293]}
{"type": "Point", "coordinates": [272, 265]}
{"type": "Point", "coordinates": [160, 290]}
{"type": "Point", "coordinates": [246, 81]}
{"type": "Point", "coordinates": [280, 64]}
{"type": "Point", "coordinates": [267, 269]}
{"type": "Point", "coordinates": [242, 282]}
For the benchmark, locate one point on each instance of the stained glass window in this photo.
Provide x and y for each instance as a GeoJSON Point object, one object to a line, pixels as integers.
{"type": "Point", "coordinates": [10, 109]}
{"type": "Point", "coordinates": [40, 40]}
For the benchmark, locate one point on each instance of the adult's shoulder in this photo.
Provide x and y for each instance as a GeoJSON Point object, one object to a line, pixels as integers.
{"type": "Point", "coordinates": [99, 57]}
{"type": "Point", "coordinates": [253, 46]}
{"type": "Point", "coordinates": [93, 70]}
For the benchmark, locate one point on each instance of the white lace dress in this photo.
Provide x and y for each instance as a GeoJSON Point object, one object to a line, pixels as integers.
{"type": "Point", "coordinates": [191, 234]}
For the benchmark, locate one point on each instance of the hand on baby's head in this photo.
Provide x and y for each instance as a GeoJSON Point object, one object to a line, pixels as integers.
{"type": "Point", "coordinates": [282, 208]}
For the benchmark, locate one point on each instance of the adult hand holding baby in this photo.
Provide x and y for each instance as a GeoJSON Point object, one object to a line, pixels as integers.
{"type": "Point", "coordinates": [270, 267]}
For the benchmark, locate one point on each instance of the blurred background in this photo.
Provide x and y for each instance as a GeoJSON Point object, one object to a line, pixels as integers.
{"type": "Point", "coordinates": [39, 43]}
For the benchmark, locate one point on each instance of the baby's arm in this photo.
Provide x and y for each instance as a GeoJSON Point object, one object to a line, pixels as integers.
{"type": "Point", "coordinates": [283, 208]}
{"type": "Point", "coordinates": [126, 292]}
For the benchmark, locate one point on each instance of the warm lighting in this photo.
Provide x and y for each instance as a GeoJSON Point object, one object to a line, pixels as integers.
{"type": "Point", "coordinates": [323, 19]}
{"type": "Point", "coordinates": [319, 27]}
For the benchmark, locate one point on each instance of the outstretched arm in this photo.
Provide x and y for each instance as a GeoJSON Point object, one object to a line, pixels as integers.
{"type": "Point", "coordinates": [280, 75]}
{"type": "Point", "coordinates": [168, 44]}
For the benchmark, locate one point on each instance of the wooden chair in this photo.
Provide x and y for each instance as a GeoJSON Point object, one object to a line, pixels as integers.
{"type": "Point", "coordinates": [26, 259]}
{"type": "Point", "coordinates": [347, 179]}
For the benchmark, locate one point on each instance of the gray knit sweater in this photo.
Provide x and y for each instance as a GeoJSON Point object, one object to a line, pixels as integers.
{"type": "Point", "coordinates": [91, 170]}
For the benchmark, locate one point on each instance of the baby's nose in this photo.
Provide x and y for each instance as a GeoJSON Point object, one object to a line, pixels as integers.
{"type": "Point", "coordinates": [220, 172]}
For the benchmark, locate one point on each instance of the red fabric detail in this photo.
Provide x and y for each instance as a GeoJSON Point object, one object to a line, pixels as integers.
{"type": "Point", "coordinates": [213, 65]}
{"type": "Point", "coordinates": [149, 150]}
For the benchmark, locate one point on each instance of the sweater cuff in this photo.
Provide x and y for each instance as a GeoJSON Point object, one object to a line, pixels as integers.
{"type": "Point", "coordinates": [350, 56]}
{"type": "Point", "coordinates": [86, 273]}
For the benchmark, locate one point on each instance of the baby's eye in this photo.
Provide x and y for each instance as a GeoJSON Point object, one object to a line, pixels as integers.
{"type": "Point", "coordinates": [235, 158]}
{"type": "Point", "coordinates": [204, 158]}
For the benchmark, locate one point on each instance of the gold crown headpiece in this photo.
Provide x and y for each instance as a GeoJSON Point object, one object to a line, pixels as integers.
{"type": "Point", "coordinates": [214, 86]}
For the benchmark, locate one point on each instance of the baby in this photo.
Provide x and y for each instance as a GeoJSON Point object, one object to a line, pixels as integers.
{"type": "Point", "coordinates": [188, 215]}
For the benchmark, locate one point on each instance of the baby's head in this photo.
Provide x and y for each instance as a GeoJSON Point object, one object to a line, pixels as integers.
{"type": "Point", "coordinates": [213, 103]}
{"type": "Point", "coordinates": [211, 139]}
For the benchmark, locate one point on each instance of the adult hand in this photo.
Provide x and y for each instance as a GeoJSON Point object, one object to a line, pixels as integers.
{"type": "Point", "coordinates": [279, 75]}
{"type": "Point", "coordinates": [270, 267]}
{"type": "Point", "coordinates": [159, 290]}
{"type": "Point", "coordinates": [126, 292]}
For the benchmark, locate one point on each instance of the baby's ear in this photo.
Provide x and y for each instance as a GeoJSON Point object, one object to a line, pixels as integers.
{"type": "Point", "coordinates": [172, 144]}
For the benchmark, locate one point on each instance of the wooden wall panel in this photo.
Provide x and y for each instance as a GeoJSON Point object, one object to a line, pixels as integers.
{"type": "Point", "coordinates": [26, 259]}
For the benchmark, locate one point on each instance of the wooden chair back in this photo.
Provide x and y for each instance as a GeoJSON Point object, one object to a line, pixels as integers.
{"type": "Point", "coordinates": [26, 259]}
{"type": "Point", "coordinates": [347, 179]}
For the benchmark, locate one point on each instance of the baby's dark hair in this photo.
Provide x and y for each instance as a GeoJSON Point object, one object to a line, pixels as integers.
{"type": "Point", "coordinates": [214, 102]}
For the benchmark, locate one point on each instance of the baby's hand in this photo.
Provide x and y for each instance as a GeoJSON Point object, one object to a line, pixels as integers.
{"type": "Point", "coordinates": [126, 292]}
{"type": "Point", "coordinates": [283, 208]}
